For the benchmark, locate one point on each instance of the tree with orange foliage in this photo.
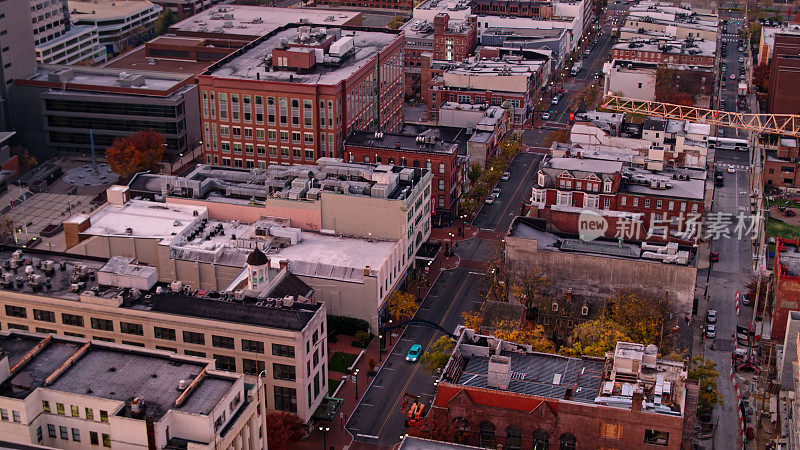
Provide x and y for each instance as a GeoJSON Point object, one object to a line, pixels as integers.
{"type": "Point", "coordinates": [284, 429]}
{"type": "Point", "coordinates": [138, 152]}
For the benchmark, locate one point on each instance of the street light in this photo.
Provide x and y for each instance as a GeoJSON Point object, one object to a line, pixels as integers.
{"type": "Point", "coordinates": [324, 431]}
{"type": "Point", "coordinates": [355, 382]}
{"type": "Point", "coordinates": [380, 347]}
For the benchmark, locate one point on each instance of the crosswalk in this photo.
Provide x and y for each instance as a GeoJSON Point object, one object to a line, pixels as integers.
{"type": "Point", "coordinates": [720, 165]}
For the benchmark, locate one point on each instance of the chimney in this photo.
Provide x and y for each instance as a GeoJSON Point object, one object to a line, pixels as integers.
{"type": "Point", "coordinates": [636, 399]}
{"type": "Point", "coordinates": [282, 264]}
{"type": "Point", "coordinates": [499, 372]}
{"type": "Point", "coordinates": [367, 271]}
{"type": "Point", "coordinates": [569, 296]}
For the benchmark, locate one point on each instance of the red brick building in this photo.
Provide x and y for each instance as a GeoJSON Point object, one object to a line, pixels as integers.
{"type": "Point", "coordinates": [786, 284]}
{"type": "Point", "coordinates": [295, 94]}
{"type": "Point", "coordinates": [514, 8]}
{"type": "Point", "coordinates": [440, 157]}
{"type": "Point", "coordinates": [780, 166]}
{"type": "Point", "coordinates": [381, 4]}
{"type": "Point", "coordinates": [664, 200]}
{"type": "Point", "coordinates": [494, 393]}
{"type": "Point", "coordinates": [784, 75]}
{"type": "Point", "coordinates": [677, 54]}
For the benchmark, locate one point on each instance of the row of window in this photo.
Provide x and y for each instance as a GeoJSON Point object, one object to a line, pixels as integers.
{"type": "Point", "coordinates": [64, 433]}
{"type": "Point", "coordinates": [74, 411]}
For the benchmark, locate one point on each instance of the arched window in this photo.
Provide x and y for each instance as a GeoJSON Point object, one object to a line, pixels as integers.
{"type": "Point", "coordinates": [487, 435]}
{"type": "Point", "coordinates": [513, 438]}
{"type": "Point", "coordinates": [567, 442]}
{"type": "Point", "coordinates": [461, 430]}
{"type": "Point", "coordinates": [540, 440]}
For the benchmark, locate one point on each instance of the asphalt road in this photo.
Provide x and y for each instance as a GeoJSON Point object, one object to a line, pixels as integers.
{"type": "Point", "coordinates": [378, 419]}
{"type": "Point", "coordinates": [729, 93]}
{"type": "Point", "coordinates": [513, 193]}
{"type": "Point", "coordinates": [732, 272]}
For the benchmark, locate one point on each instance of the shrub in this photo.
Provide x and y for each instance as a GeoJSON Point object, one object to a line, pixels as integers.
{"type": "Point", "coordinates": [361, 339]}
{"type": "Point", "coordinates": [346, 325]}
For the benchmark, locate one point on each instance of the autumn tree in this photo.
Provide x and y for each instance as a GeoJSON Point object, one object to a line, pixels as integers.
{"type": "Point", "coordinates": [165, 20]}
{"type": "Point", "coordinates": [471, 320]}
{"type": "Point", "coordinates": [284, 429]}
{"type": "Point", "coordinates": [138, 152]}
{"type": "Point", "coordinates": [26, 160]}
{"type": "Point", "coordinates": [533, 335]}
{"type": "Point", "coordinates": [705, 372]}
{"type": "Point", "coordinates": [527, 283]}
{"type": "Point", "coordinates": [437, 356]}
{"type": "Point", "coordinates": [396, 22]}
{"type": "Point", "coordinates": [629, 316]}
{"type": "Point", "coordinates": [761, 77]}
{"type": "Point", "coordinates": [556, 136]}
{"type": "Point", "coordinates": [669, 89]}
{"type": "Point", "coordinates": [402, 305]}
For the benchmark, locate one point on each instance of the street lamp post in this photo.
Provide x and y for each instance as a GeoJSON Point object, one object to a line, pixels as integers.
{"type": "Point", "coordinates": [324, 431]}
{"type": "Point", "coordinates": [390, 331]}
{"type": "Point", "coordinates": [355, 381]}
{"type": "Point", "coordinates": [380, 347]}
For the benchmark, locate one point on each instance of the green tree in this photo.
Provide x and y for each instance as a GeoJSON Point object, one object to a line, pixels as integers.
{"type": "Point", "coordinates": [396, 22]}
{"type": "Point", "coordinates": [705, 371]}
{"type": "Point", "coordinates": [165, 20]}
{"type": "Point", "coordinates": [437, 356]}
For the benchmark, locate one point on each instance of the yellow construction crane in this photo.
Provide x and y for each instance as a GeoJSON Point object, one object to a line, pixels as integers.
{"type": "Point", "coordinates": [782, 124]}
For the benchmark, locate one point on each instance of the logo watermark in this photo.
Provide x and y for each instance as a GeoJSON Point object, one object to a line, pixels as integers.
{"type": "Point", "coordinates": [591, 225]}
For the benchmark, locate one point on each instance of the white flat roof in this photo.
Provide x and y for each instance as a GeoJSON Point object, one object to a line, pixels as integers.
{"type": "Point", "coordinates": [259, 20]}
{"type": "Point", "coordinates": [341, 258]}
{"type": "Point", "coordinates": [144, 218]}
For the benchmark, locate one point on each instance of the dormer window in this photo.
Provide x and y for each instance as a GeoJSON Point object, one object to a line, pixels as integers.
{"type": "Point", "coordinates": [541, 179]}
{"type": "Point", "coordinates": [607, 186]}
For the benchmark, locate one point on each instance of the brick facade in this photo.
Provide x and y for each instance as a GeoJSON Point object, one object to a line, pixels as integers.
{"type": "Point", "coordinates": [380, 4]}
{"type": "Point", "coordinates": [784, 75]}
{"type": "Point", "coordinates": [786, 282]}
{"type": "Point", "coordinates": [663, 58]}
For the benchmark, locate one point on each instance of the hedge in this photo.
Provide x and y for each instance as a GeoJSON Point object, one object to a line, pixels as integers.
{"type": "Point", "coordinates": [346, 325]}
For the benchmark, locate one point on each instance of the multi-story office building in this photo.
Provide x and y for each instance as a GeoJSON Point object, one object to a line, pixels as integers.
{"type": "Point", "coordinates": [121, 24]}
{"type": "Point", "coordinates": [184, 8]}
{"type": "Point", "coordinates": [352, 261]}
{"type": "Point", "coordinates": [299, 91]}
{"type": "Point", "coordinates": [381, 4]}
{"type": "Point", "coordinates": [70, 393]}
{"type": "Point", "coordinates": [57, 107]}
{"type": "Point", "coordinates": [784, 63]}
{"type": "Point", "coordinates": [17, 55]}
{"type": "Point", "coordinates": [57, 41]}
{"type": "Point", "coordinates": [272, 328]}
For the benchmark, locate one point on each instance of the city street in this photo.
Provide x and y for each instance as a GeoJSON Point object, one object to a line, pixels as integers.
{"type": "Point", "coordinates": [728, 94]}
{"type": "Point", "coordinates": [378, 419]}
{"type": "Point", "coordinates": [732, 272]}
{"type": "Point", "coordinates": [513, 193]}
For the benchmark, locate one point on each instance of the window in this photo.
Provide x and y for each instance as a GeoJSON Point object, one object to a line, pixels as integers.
{"type": "Point", "coordinates": [102, 324]}
{"type": "Point", "coordinates": [76, 435]}
{"type": "Point", "coordinates": [63, 432]}
{"type": "Point", "coordinates": [190, 337]}
{"type": "Point", "coordinates": [131, 328]}
{"type": "Point", "coordinates": [51, 430]}
{"type": "Point", "coordinates": [513, 438]}
{"type": "Point", "coordinates": [46, 406]}
{"type": "Point", "coordinates": [193, 353]}
{"type": "Point", "coordinates": [252, 346]}
{"type": "Point", "coordinates": [227, 363]}
{"type": "Point", "coordinates": [103, 416]}
{"type": "Point", "coordinates": [610, 430]}
{"type": "Point", "coordinates": [635, 202]}
{"type": "Point", "coordinates": [71, 319]}
{"type": "Point", "coordinates": [252, 367]}
{"type": "Point", "coordinates": [16, 311]}
{"type": "Point", "coordinates": [221, 341]}
{"type": "Point", "coordinates": [93, 438]}
{"type": "Point", "coordinates": [283, 350]}
{"type": "Point", "coordinates": [441, 168]}
{"type": "Point", "coordinates": [106, 440]}
{"type": "Point", "coordinates": [283, 372]}
{"type": "Point", "coordinates": [15, 416]}
{"type": "Point", "coordinates": [168, 334]}
{"type": "Point", "coordinates": [67, 333]}
{"type": "Point", "coordinates": [441, 184]}
{"type": "Point", "coordinates": [647, 203]}
{"type": "Point", "coordinates": [75, 411]}
{"type": "Point", "coordinates": [656, 437]}
{"type": "Point", "coordinates": [60, 409]}
{"type": "Point", "coordinates": [39, 434]}
{"type": "Point", "coordinates": [487, 430]}
{"type": "Point", "coordinates": [285, 399]}
{"type": "Point", "coordinates": [541, 440]}
{"type": "Point", "coordinates": [567, 442]}
{"type": "Point", "coordinates": [44, 316]}
{"type": "Point", "coordinates": [89, 413]}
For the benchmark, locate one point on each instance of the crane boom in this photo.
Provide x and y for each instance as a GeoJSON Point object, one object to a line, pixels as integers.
{"type": "Point", "coordinates": [782, 124]}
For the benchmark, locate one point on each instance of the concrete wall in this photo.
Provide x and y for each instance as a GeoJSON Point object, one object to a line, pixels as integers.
{"type": "Point", "coordinates": [593, 275]}
{"type": "Point", "coordinates": [789, 355]}
{"type": "Point", "coordinates": [633, 84]}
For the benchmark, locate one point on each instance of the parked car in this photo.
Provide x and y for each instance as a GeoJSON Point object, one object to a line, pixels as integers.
{"type": "Point", "coordinates": [711, 331]}
{"type": "Point", "coordinates": [711, 316]}
{"type": "Point", "coordinates": [746, 299]}
{"type": "Point", "coordinates": [489, 200]}
{"type": "Point", "coordinates": [731, 169]}
{"type": "Point", "coordinates": [741, 59]}
{"type": "Point", "coordinates": [555, 100]}
{"type": "Point", "coordinates": [733, 76]}
{"type": "Point", "coordinates": [546, 115]}
{"type": "Point", "coordinates": [506, 176]}
{"type": "Point", "coordinates": [496, 192]}
{"type": "Point", "coordinates": [413, 353]}
{"type": "Point", "coordinates": [717, 172]}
